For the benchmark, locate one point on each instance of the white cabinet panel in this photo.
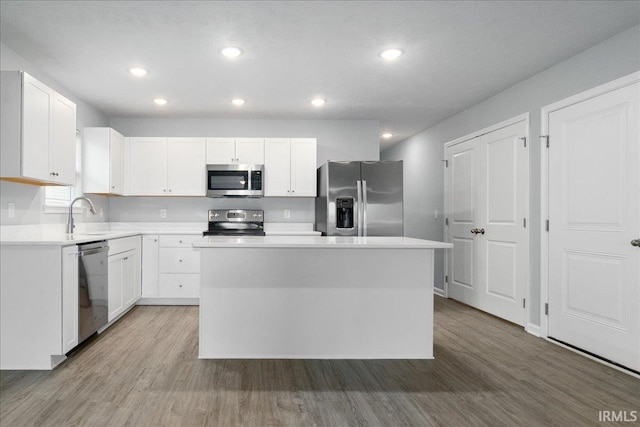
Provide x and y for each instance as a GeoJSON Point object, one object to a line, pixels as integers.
{"type": "Point", "coordinates": [150, 265]}
{"type": "Point", "coordinates": [38, 132]}
{"type": "Point", "coordinates": [180, 285]}
{"type": "Point", "coordinates": [179, 260]}
{"type": "Point", "coordinates": [37, 113]}
{"type": "Point", "coordinates": [277, 173]}
{"type": "Point", "coordinates": [69, 298]}
{"type": "Point", "coordinates": [178, 240]}
{"type": "Point", "coordinates": [115, 302]}
{"type": "Point", "coordinates": [147, 164]}
{"type": "Point", "coordinates": [250, 151]}
{"type": "Point", "coordinates": [290, 167]}
{"type": "Point", "coordinates": [303, 167]}
{"type": "Point", "coordinates": [100, 176]}
{"type": "Point", "coordinates": [221, 151]}
{"type": "Point", "coordinates": [62, 147]}
{"type": "Point", "coordinates": [186, 173]}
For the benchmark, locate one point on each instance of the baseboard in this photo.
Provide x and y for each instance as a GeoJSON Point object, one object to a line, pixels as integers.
{"type": "Point", "coordinates": [439, 292]}
{"type": "Point", "coordinates": [168, 301]}
{"type": "Point", "coordinates": [533, 329]}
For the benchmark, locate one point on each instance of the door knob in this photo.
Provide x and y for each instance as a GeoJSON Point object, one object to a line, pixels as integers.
{"type": "Point", "coordinates": [474, 231]}
{"type": "Point", "coordinates": [635, 242]}
{"type": "Point", "coordinates": [481, 231]}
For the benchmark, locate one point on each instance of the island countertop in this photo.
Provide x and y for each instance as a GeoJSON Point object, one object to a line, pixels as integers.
{"type": "Point", "coordinates": [369, 242]}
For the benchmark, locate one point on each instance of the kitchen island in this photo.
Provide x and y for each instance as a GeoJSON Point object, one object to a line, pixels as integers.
{"type": "Point", "coordinates": [316, 297]}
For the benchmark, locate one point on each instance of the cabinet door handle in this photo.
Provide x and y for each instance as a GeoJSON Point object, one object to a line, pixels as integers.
{"type": "Point", "coordinates": [180, 260]}
{"type": "Point", "coordinates": [635, 242]}
{"type": "Point", "coordinates": [179, 286]}
{"type": "Point", "coordinates": [169, 190]}
{"type": "Point", "coordinates": [180, 241]}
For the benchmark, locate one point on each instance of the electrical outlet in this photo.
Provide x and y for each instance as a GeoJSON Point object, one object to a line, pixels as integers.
{"type": "Point", "coordinates": [287, 213]}
{"type": "Point", "coordinates": [11, 210]}
{"type": "Point", "coordinates": [163, 213]}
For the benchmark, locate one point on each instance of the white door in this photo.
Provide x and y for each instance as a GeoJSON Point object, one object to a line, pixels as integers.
{"type": "Point", "coordinates": [250, 151]}
{"type": "Point", "coordinates": [129, 281]}
{"type": "Point", "coordinates": [487, 184]}
{"type": "Point", "coordinates": [594, 214]}
{"type": "Point", "coordinates": [277, 167]}
{"type": "Point", "coordinates": [462, 202]}
{"type": "Point", "coordinates": [221, 151]}
{"type": "Point", "coordinates": [36, 129]}
{"type": "Point", "coordinates": [115, 270]}
{"type": "Point", "coordinates": [303, 167]}
{"type": "Point", "coordinates": [62, 148]}
{"type": "Point", "coordinates": [503, 255]}
{"type": "Point", "coordinates": [186, 167]}
{"type": "Point", "coordinates": [116, 162]}
{"type": "Point", "coordinates": [147, 166]}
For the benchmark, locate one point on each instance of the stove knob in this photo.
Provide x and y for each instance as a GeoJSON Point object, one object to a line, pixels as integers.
{"type": "Point", "coordinates": [259, 215]}
{"type": "Point", "coordinates": [216, 215]}
{"type": "Point", "coordinates": [255, 215]}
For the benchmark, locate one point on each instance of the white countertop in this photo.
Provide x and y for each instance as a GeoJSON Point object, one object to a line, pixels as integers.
{"type": "Point", "coordinates": [318, 242]}
{"type": "Point", "coordinates": [55, 234]}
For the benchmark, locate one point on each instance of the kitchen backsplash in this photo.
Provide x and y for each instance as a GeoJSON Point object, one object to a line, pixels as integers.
{"type": "Point", "coordinates": [194, 209]}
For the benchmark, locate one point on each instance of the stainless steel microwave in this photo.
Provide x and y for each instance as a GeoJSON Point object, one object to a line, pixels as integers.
{"type": "Point", "coordinates": [235, 180]}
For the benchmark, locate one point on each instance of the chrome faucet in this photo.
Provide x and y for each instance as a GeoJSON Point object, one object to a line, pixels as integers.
{"type": "Point", "coordinates": [70, 223]}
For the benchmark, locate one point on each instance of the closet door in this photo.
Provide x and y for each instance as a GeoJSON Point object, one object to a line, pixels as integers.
{"type": "Point", "coordinates": [594, 220]}
{"type": "Point", "coordinates": [503, 243]}
{"type": "Point", "coordinates": [486, 197]}
{"type": "Point", "coordinates": [462, 198]}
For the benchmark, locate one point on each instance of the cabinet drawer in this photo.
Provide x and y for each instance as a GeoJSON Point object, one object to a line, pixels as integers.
{"type": "Point", "coordinates": [180, 285]}
{"type": "Point", "coordinates": [178, 240]}
{"type": "Point", "coordinates": [179, 260]}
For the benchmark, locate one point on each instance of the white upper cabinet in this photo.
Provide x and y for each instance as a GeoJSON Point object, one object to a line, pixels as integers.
{"type": "Point", "coordinates": [186, 168]}
{"type": "Point", "coordinates": [38, 135]}
{"type": "Point", "coordinates": [290, 167]}
{"type": "Point", "coordinates": [166, 166]}
{"type": "Point", "coordinates": [223, 151]}
{"type": "Point", "coordinates": [102, 161]}
{"type": "Point", "coordinates": [147, 166]}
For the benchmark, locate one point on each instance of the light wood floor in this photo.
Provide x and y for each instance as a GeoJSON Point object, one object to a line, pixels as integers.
{"type": "Point", "coordinates": [144, 371]}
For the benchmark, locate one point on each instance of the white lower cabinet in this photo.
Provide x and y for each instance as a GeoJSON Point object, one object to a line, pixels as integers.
{"type": "Point", "coordinates": [171, 269]}
{"type": "Point", "coordinates": [124, 275]}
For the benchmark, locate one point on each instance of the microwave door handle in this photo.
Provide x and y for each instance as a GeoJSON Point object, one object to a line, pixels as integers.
{"type": "Point", "coordinates": [359, 207]}
{"type": "Point", "coordinates": [364, 208]}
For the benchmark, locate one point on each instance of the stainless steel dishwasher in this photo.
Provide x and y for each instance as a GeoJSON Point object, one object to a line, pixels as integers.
{"type": "Point", "coordinates": [93, 281]}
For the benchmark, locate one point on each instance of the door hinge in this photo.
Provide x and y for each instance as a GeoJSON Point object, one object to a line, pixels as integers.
{"type": "Point", "coordinates": [446, 163]}
{"type": "Point", "coordinates": [524, 141]}
{"type": "Point", "coordinates": [546, 308]}
{"type": "Point", "coordinates": [446, 221]}
{"type": "Point", "coordinates": [524, 222]}
{"type": "Point", "coordinates": [524, 303]}
{"type": "Point", "coordinates": [546, 224]}
{"type": "Point", "coordinates": [446, 279]}
{"type": "Point", "coordinates": [546, 137]}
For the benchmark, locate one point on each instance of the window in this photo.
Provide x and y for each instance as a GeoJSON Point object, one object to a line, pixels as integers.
{"type": "Point", "coordinates": [58, 197]}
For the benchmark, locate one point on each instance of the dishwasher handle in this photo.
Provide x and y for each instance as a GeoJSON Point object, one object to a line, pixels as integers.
{"type": "Point", "coordinates": [92, 248]}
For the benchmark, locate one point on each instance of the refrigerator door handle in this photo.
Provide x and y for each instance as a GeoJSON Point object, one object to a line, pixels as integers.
{"type": "Point", "coordinates": [359, 206]}
{"type": "Point", "coordinates": [364, 208]}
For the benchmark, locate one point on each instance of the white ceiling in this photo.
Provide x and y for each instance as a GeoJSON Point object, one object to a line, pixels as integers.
{"type": "Point", "coordinates": [456, 53]}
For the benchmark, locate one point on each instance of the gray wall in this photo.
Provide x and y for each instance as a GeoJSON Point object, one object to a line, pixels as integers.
{"type": "Point", "coordinates": [337, 140]}
{"type": "Point", "coordinates": [422, 153]}
{"type": "Point", "coordinates": [29, 199]}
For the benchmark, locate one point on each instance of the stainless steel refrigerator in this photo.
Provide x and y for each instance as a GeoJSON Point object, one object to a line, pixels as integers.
{"type": "Point", "coordinates": [360, 199]}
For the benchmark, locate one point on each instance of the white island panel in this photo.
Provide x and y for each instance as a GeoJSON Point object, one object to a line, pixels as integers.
{"type": "Point", "coordinates": [316, 298]}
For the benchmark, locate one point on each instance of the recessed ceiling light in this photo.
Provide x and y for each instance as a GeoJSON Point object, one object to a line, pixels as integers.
{"type": "Point", "coordinates": [138, 72]}
{"type": "Point", "coordinates": [391, 54]}
{"type": "Point", "coordinates": [387, 135]}
{"type": "Point", "coordinates": [160, 101]}
{"type": "Point", "coordinates": [318, 102]}
{"type": "Point", "coordinates": [238, 101]}
{"type": "Point", "coordinates": [231, 52]}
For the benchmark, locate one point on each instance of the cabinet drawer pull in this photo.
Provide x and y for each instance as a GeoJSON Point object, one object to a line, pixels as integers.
{"type": "Point", "coordinates": [180, 260]}
{"type": "Point", "coordinates": [179, 286]}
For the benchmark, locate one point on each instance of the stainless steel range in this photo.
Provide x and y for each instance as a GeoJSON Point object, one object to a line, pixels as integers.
{"type": "Point", "coordinates": [235, 222]}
